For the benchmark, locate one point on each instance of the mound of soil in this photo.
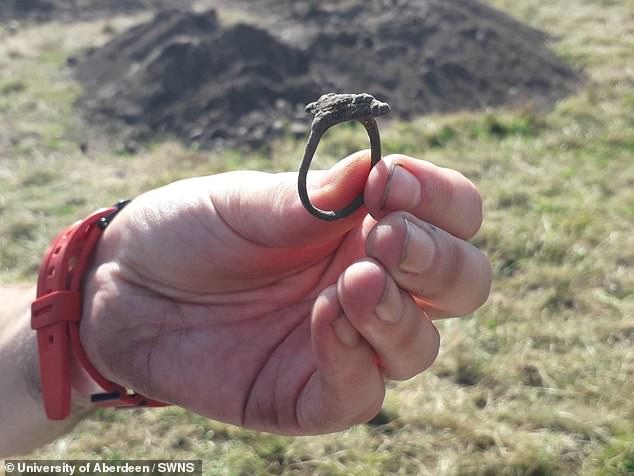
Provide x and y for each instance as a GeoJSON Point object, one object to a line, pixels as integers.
{"type": "Point", "coordinates": [431, 56]}
{"type": "Point", "coordinates": [186, 75]}
{"type": "Point", "coordinates": [183, 74]}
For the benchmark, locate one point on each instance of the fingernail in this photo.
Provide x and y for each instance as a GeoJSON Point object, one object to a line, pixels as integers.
{"type": "Point", "coordinates": [419, 250]}
{"type": "Point", "coordinates": [390, 308]}
{"type": "Point", "coordinates": [346, 333]}
{"type": "Point", "coordinates": [402, 191]}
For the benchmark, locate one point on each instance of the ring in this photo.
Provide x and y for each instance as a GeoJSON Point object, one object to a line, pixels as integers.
{"type": "Point", "coordinates": [329, 110]}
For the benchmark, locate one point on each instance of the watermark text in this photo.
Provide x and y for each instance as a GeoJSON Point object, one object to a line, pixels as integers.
{"type": "Point", "coordinates": [103, 467]}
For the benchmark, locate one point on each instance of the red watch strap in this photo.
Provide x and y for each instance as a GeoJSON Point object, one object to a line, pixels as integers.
{"type": "Point", "coordinates": [53, 341]}
{"type": "Point", "coordinates": [56, 313]}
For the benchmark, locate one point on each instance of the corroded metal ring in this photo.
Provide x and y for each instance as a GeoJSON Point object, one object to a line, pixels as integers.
{"type": "Point", "coordinates": [329, 110]}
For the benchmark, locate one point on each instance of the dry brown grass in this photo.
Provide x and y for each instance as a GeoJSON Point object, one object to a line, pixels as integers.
{"type": "Point", "coordinates": [539, 381]}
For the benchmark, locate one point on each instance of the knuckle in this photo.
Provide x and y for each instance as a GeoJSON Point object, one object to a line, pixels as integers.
{"type": "Point", "coordinates": [444, 274]}
{"type": "Point", "coordinates": [386, 239]}
{"type": "Point", "coordinates": [416, 361]}
{"type": "Point", "coordinates": [413, 356]}
{"type": "Point", "coordinates": [486, 282]}
{"type": "Point", "coordinates": [348, 416]}
{"type": "Point", "coordinates": [396, 157]}
{"type": "Point", "coordinates": [406, 373]}
{"type": "Point", "coordinates": [371, 410]}
{"type": "Point", "coordinates": [477, 213]}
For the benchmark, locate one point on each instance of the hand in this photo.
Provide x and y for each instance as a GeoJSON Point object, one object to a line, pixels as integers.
{"type": "Point", "coordinates": [223, 295]}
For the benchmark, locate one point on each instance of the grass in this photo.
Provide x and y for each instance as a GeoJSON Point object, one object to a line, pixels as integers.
{"type": "Point", "coordinates": [537, 382]}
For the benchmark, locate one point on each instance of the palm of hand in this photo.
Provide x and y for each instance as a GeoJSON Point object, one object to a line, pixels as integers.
{"type": "Point", "coordinates": [219, 296]}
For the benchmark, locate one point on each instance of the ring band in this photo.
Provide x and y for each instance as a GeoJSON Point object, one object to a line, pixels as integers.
{"type": "Point", "coordinates": [324, 121]}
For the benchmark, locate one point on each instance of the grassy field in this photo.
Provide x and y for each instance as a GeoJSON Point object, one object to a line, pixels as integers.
{"type": "Point", "coordinates": [540, 381]}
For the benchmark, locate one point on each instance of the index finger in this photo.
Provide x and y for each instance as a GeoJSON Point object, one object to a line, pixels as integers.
{"type": "Point", "coordinates": [437, 195]}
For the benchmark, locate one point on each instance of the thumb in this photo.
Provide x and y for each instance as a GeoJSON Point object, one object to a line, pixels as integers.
{"type": "Point", "coordinates": [266, 209]}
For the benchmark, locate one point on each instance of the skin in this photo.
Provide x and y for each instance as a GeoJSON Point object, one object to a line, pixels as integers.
{"type": "Point", "coordinates": [223, 295]}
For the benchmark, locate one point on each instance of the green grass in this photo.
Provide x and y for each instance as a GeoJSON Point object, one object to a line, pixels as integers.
{"type": "Point", "coordinates": [537, 382]}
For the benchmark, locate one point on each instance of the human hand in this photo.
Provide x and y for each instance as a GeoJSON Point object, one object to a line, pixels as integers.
{"type": "Point", "coordinates": [223, 295]}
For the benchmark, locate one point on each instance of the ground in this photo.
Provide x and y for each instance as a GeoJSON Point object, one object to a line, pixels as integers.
{"type": "Point", "coordinates": [212, 83]}
{"type": "Point", "coordinates": [539, 381]}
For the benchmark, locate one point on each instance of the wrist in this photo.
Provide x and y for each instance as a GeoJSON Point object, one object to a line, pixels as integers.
{"type": "Point", "coordinates": [96, 286]}
{"type": "Point", "coordinates": [24, 425]}
{"type": "Point", "coordinates": [17, 341]}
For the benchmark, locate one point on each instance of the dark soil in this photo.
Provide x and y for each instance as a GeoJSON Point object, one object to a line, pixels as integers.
{"type": "Point", "coordinates": [68, 10]}
{"type": "Point", "coordinates": [184, 74]}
